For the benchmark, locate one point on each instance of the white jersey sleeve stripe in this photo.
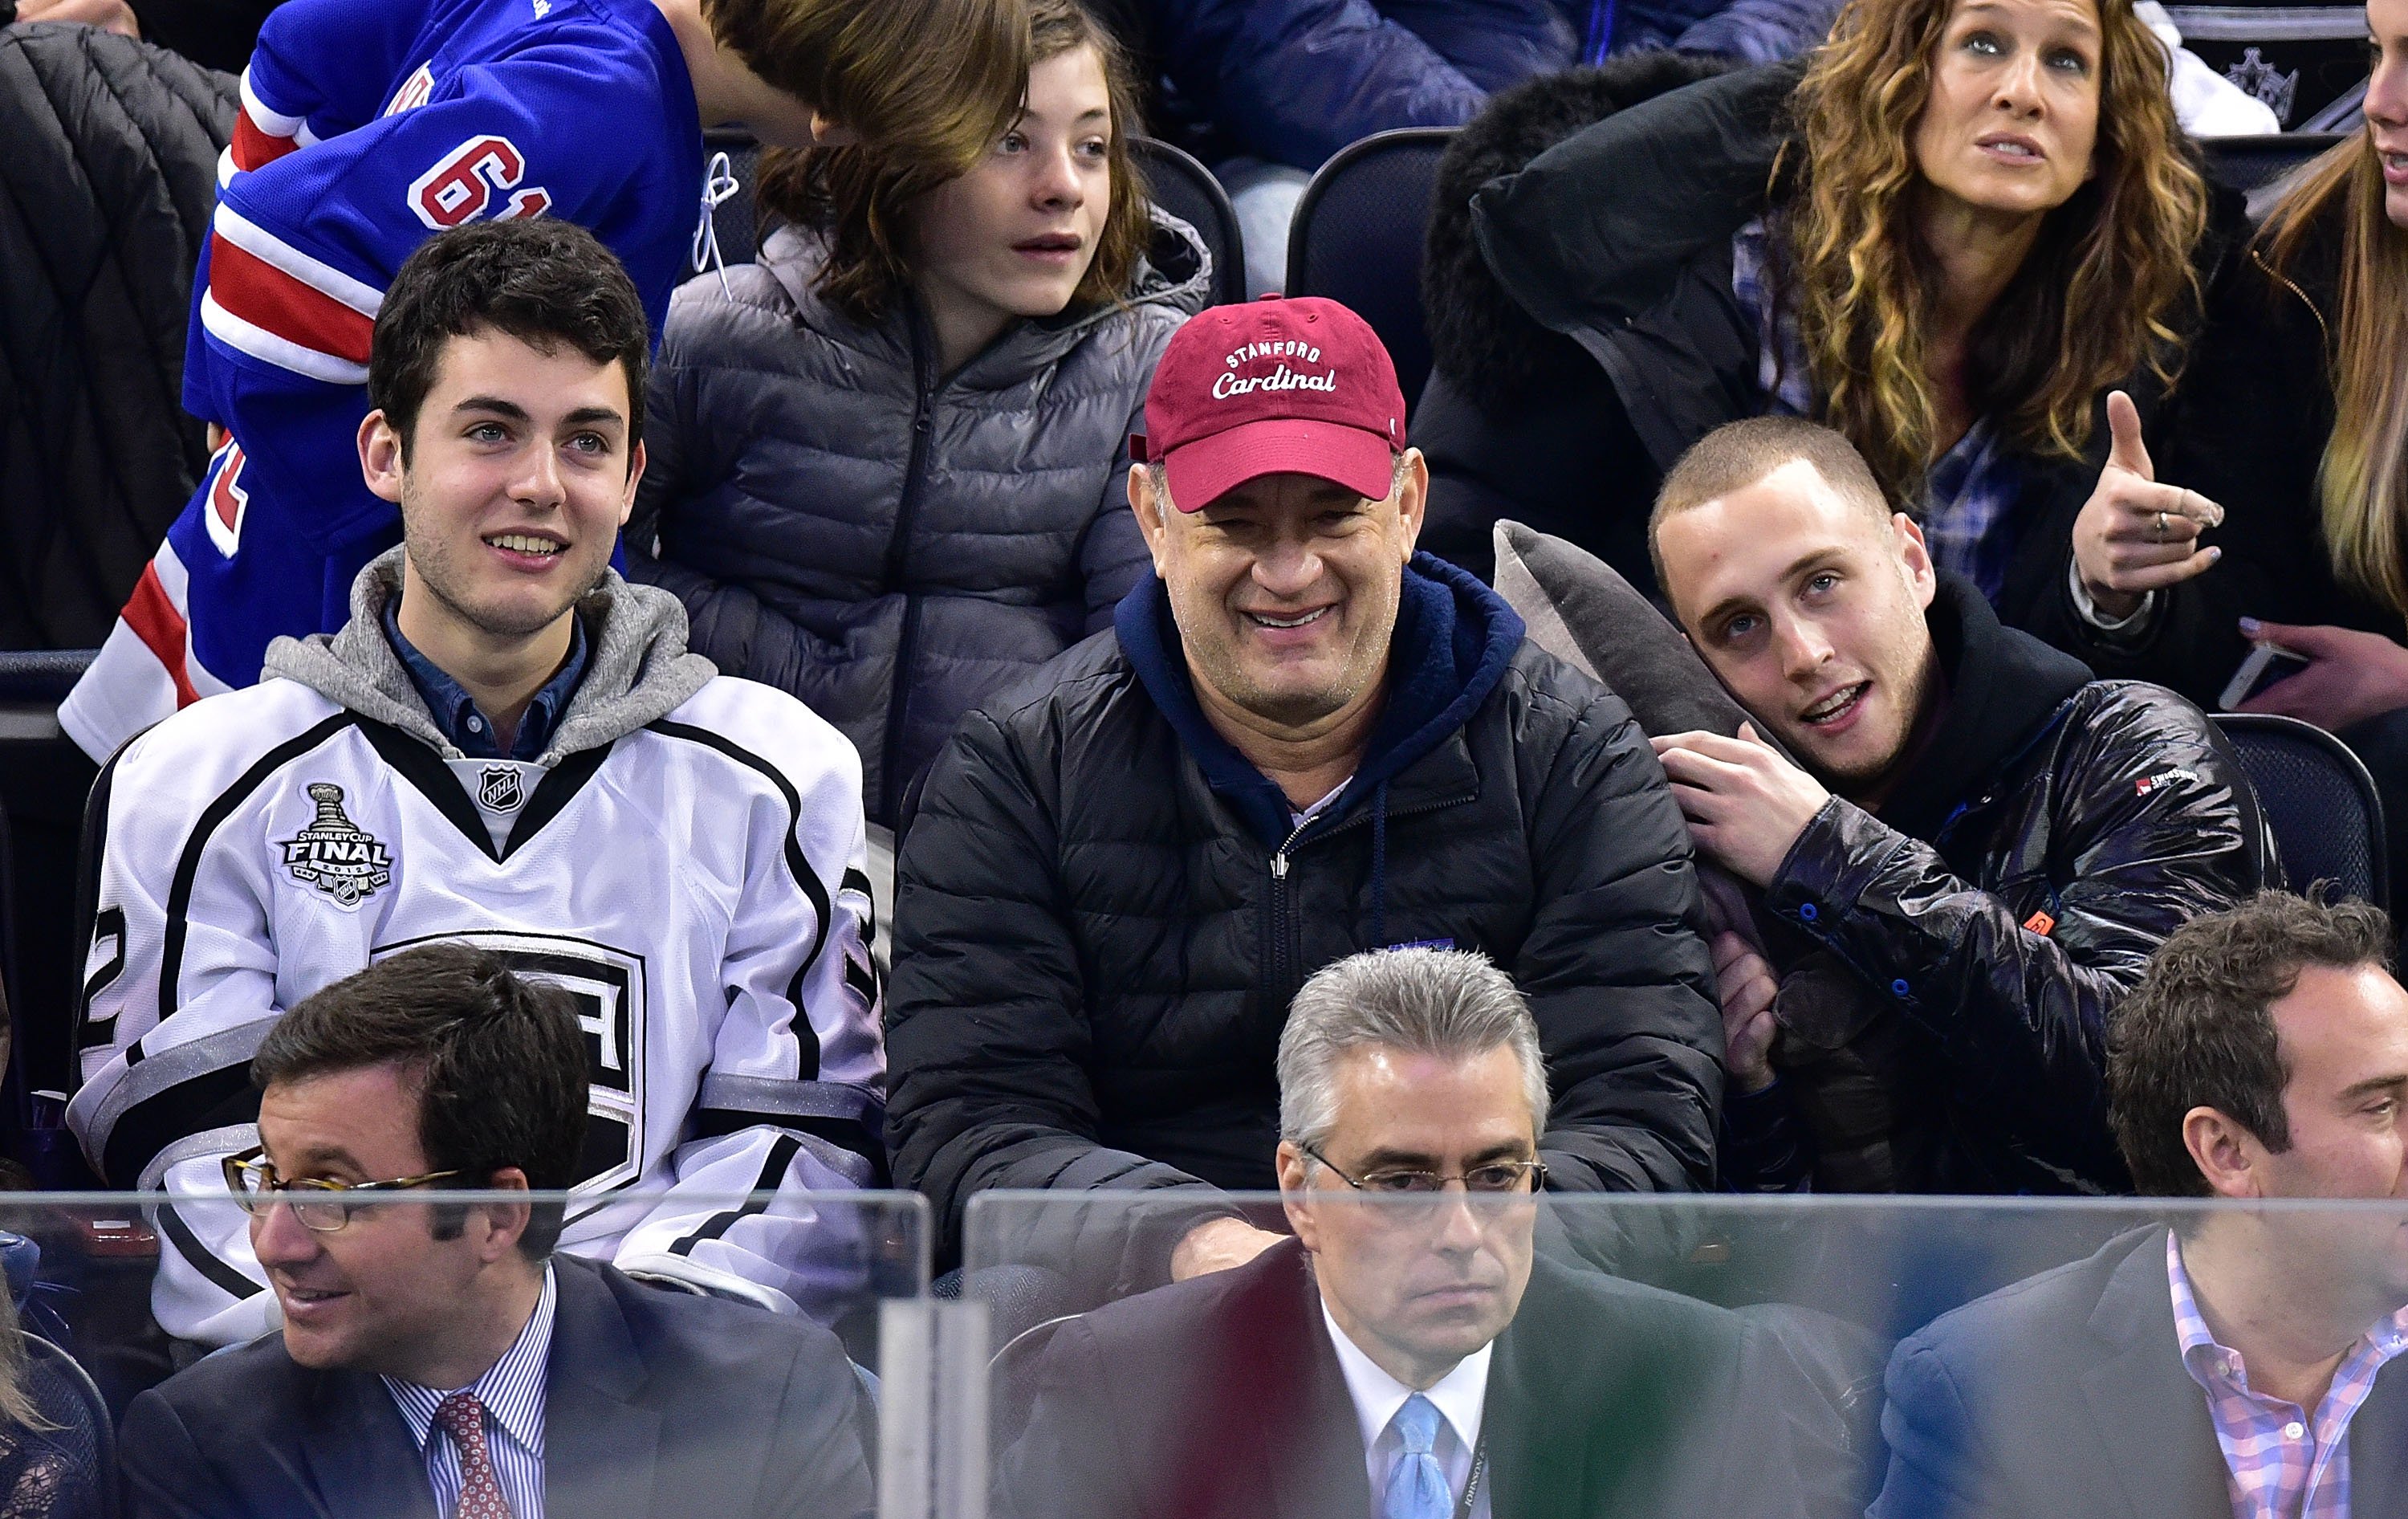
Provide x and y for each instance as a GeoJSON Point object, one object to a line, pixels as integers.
{"type": "Point", "coordinates": [245, 338]}
{"type": "Point", "coordinates": [275, 251]}
{"type": "Point", "coordinates": [175, 1072]}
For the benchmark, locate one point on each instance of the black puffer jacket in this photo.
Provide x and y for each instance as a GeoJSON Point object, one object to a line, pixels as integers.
{"type": "Point", "coordinates": [1619, 237]}
{"type": "Point", "coordinates": [891, 546]}
{"type": "Point", "coordinates": [2054, 832]}
{"type": "Point", "coordinates": [106, 183]}
{"type": "Point", "coordinates": [1101, 916]}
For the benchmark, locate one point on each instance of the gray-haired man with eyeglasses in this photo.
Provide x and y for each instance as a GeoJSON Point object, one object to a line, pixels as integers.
{"type": "Point", "coordinates": [1408, 1354]}
{"type": "Point", "coordinates": [438, 1359]}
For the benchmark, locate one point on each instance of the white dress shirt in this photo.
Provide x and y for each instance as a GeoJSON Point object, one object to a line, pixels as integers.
{"type": "Point", "coordinates": [512, 1391]}
{"type": "Point", "coordinates": [1459, 1396]}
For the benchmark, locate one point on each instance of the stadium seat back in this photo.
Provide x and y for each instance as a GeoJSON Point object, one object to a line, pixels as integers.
{"type": "Point", "coordinates": [2249, 164]}
{"type": "Point", "coordinates": [1177, 183]}
{"type": "Point", "coordinates": [82, 1442]}
{"type": "Point", "coordinates": [44, 779]}
{"type": "Point", "coordinates": [2319, 801]}
{"type": "Point", "coordinates": [1357, 239]}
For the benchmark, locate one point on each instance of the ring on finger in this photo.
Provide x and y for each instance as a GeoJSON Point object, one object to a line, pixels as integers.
{"type": "Point", "coordinates": [2160, 533]}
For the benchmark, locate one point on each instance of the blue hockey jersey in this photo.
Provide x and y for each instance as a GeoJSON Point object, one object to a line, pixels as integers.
{"type": "Point", "coordinates": [365, 130]}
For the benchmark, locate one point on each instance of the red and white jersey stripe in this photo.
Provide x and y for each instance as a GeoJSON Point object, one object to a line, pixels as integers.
{"type": "Point", "coordinates": [268, 299]}
{"type": "Point", "coordinates": [260, 135]}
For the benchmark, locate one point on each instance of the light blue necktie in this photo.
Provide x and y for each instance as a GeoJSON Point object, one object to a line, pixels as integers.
{"type": "Point", "coordinates": [1416, 1486]}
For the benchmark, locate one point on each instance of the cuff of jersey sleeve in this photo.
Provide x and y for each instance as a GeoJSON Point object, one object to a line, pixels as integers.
{"type": "Point", "coordinates": [684, 1274]}
{"type": "Point", "coordinates": [2130, 629]}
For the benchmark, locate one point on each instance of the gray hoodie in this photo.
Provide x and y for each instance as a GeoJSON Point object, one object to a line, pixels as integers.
{"type": "Point", "coordinates": [636, 667]}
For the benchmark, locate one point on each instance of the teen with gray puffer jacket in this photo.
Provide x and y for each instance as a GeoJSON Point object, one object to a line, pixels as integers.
{"type": "Point", "coordinates": [892, 484]}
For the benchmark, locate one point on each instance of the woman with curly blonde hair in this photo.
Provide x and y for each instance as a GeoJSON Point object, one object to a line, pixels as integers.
{"type": "Point", "coordinates": [1948, 235]}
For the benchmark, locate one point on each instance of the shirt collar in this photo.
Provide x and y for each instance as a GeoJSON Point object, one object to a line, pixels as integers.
{"type": "Point", "coordinates": [449, 705]}
{"type": "Point", "coordinates": [1461, 1396]}
{"type": "Point", "coordinates": [2209, 1360]}
{"type": "Point", "coordinates": [511, 1388]}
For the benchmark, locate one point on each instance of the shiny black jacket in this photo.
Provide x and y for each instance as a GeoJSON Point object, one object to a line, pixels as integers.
{"type": "Point", "coordinates": [1103, 910]}
{"type": "Point", "coordinates": [2054, 830]}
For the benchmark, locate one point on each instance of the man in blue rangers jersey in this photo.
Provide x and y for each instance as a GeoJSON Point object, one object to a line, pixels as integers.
{"type": "Point", "coordinates": [508, 746]}
{"type": "Point", "coordinates": [365, 130]}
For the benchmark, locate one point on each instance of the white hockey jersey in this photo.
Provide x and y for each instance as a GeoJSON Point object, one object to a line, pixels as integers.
{"type": "Point", "coordinates": [697, 884]}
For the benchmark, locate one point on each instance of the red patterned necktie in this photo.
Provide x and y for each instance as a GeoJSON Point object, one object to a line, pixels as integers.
{"type": "Point", "coordinates": [480, 1492]}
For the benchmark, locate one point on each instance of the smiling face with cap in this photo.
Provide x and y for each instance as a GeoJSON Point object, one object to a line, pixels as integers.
{"type": "Point", "coordinates": [1283, 512]}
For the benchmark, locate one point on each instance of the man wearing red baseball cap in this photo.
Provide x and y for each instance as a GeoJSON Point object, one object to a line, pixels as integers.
{"type": "Point", "coordinates": [1299, 740]}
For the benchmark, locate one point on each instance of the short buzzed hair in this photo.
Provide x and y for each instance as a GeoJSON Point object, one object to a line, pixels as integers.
{"type": "Point", "coordinates": [1737, 454]}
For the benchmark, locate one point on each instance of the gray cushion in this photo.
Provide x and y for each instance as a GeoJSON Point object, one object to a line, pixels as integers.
{"type": "Point", "coordinates": [1581, 610]}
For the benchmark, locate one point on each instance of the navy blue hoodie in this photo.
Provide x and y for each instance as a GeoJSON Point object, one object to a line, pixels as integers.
{"type": "Point", "coordinates": [1453, 640]}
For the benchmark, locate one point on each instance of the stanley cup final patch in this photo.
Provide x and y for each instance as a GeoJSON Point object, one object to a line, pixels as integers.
{"type": "Point", "coordinates": [335, 854]}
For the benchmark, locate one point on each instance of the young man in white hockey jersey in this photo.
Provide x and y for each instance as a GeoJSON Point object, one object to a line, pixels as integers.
{"type": "Point", "coordinates": [507, 745]}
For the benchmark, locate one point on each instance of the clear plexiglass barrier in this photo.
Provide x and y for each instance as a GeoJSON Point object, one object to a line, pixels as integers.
{"type": "Point", "coordinates": [1509, 1355]}
{"type": "Point", "coordinates": [306, 1352]}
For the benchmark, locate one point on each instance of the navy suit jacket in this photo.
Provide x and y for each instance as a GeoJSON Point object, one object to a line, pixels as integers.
{"type": "Point", "coordinates": [2066, 1394]}
{"type": "Point", "coordinates": [657, 1404]}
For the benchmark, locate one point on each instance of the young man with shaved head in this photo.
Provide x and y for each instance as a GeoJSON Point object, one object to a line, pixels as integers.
{"type": "Point", "coordinates": [1989, 841]}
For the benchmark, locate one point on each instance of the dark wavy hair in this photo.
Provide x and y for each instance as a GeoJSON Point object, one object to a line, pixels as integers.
{"type": "Point", "coordinates": [857, 197]}
{"type": "Point", "coordinates": [499, 1060]}
{"type": "Point", "coordinates": [2199, 1031]}
{"type": "Point", "coordinates": [545, 281]}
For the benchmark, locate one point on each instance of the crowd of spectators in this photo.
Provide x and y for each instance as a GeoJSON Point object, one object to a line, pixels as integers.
{"type": "Point", "coordinates": [939, 704]}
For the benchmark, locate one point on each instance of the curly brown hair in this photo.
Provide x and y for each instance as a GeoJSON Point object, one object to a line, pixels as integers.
{"type": "Point", "coordinates": [2098, 296]}
{"type": "Point", "coordinates": [858, 196]}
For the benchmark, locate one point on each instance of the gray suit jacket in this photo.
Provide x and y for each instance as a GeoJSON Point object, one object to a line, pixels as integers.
{"type": "Point", "coordinates": [656, 1405]}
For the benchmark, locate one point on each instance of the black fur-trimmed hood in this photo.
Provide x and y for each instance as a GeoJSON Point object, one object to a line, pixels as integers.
{"type": "Point", "coordinates": [1497, 356]}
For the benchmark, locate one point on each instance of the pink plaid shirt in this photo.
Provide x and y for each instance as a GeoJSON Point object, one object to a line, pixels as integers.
{"type": "Point", "coordinates": [2282, 1463]}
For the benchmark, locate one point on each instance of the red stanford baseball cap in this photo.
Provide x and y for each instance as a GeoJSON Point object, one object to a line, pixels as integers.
{"type": "Point", "coordinates": [1273, 387]}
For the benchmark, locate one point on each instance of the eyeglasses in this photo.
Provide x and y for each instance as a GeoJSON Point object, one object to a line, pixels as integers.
{"type": "Point", "coordinates": [252, 1178]}
{"type": "Point", "coordinates": [1496, 1176]}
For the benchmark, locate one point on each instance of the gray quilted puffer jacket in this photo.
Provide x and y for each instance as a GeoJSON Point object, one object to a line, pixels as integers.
{"type": "Point", "coordinates": [891, 548]}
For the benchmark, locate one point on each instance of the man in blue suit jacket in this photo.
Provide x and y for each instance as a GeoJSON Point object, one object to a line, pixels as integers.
{"type": "Point", "coordinates": [439, 1361]}
{"type": "Point", "coordinates": [2240, 1363]}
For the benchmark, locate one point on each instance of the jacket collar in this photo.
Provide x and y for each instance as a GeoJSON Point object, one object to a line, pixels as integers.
{"type": "Point", "coordinates": [2149, 1414]}
{"type": "Point", "coordinates": [1597, 228]}
{"type": "Point", "coordinates": [636, 671]}
{"type": "Point", "coordinates": [2005, 690]}
{"type": "Point", "coordinates": [1175, 272]}
{"type": "Point", "coordinates": [600, 1448]}
{"type": "Point", "coordinates": [1454, 639]}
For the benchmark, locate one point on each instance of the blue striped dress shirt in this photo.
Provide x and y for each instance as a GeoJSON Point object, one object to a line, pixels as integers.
{"type": "Point", "coordinates": [512, 1390]}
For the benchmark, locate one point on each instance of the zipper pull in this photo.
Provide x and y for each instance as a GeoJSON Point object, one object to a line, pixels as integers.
{"type": "Point", "coordinates": [1279, 866]}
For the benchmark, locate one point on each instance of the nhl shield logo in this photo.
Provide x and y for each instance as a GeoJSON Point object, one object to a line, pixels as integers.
{"type": "Point", "coordinates": [335, 854]}
{"type": "Point", "coordinates": [498, 789]}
